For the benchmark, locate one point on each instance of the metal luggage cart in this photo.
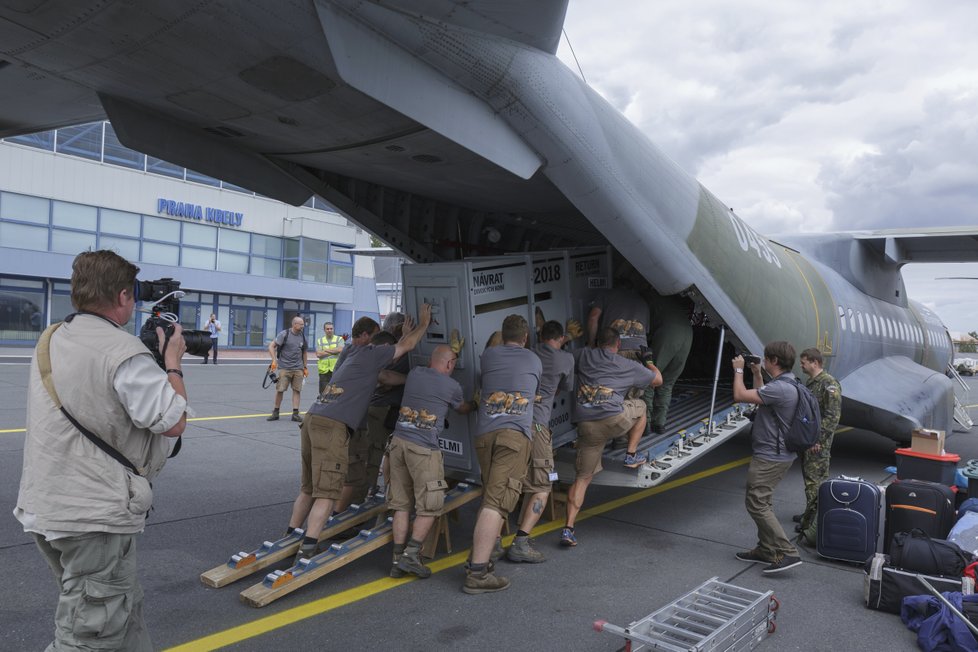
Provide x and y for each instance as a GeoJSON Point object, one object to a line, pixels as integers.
{"type": "Point", "coordinates": [712, 617]}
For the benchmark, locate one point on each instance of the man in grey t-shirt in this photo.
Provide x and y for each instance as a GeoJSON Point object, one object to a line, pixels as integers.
{"type": "Point", "coordinates": [510, 376]}
{"type": "Point", "coordinates": [326, 430]}
{"type": "Point", "coordinates": [417, 472]}
{"type": "Point", "coordinates": [288, 351]}
{"type": "Point", "coordinates": [776, 401]}
{"type": "Point", "coordinates": [557, 376]}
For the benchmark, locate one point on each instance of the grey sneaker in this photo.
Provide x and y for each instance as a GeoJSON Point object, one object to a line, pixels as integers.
{"type": "Point", "coordinates": [753, 557]}
{"type": "Point", "coordinates": [782, 564]}
{"type": "Point", "coordinates": [498, 551]}
{"type": "Point", "coordinates": [410, 562]}
{"type": "Point", "coordinates": [305, 552]}
{"type": "Point", "coordinates": [483, 582]}
{"type": "Point", "coordinates": [273, 417]}
{"type": "Point", "coordinates": [524, 550]}
{"type": "Point", "coordinates": [296, 417]}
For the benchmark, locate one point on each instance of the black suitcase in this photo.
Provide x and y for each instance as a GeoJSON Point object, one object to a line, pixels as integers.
{"type": "Point", "coordinates": [914, 504]}
{"type": "Point", "coordinates": [849, 519]}
{"type": "Point", "coordinates": [886, 586]}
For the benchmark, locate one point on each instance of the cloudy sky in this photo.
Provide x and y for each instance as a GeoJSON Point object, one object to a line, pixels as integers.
{"type": "Point", "coordinates": [833, 116]}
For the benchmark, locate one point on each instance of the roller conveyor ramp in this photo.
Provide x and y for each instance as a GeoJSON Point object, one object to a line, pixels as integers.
{"type": "Point", "coordinates": [688, 437]}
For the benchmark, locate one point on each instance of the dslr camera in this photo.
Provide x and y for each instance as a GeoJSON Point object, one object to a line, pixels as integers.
{"type": "Point", "coordinates": [163, 295]}
{"type": "Point", "coordinates": [750, 359]}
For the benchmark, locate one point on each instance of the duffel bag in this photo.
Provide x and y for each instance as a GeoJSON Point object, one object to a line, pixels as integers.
{"type": "Point", "coordinates": [885, 586]}
{"type": "Point", "coordinates": [916, 551]}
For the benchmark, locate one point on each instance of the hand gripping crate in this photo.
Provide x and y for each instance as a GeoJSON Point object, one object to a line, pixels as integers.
{"type": "Point", "coordinates": [712, 617]}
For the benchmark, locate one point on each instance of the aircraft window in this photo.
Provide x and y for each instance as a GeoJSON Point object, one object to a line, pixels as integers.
{"type": "Point", "coordinates": [81, 140]}
{"type": "Point", "coordinates": [115, 153]}
{"type": "Point", "coordinates": [119, 223]}
{"type": "Point", "coordinates": [852, 321]}
{"type": "Point", "coordinates": [197, 258]}
{"type": "Point", "coordinates": [859, 316]}
{"type": "Point", "coordinates": [125, 247]}
{"type": "Point", "coordinates": [891, 328]}
{"type": "Point", "coordinates": [265, 266]}
{"type": "Point", "coordinates": [22, 236]}
{"type": "Point", "coordinates": [24, 209]}
{"type": "Point", "coordinates": [876, 324]}
{"type": "Point", "coordinates": [163, 168]}
{"type": "Point", "coordinates": [234, 241]}
{"type": "Point", "coordinates": [161, 254]}
{"type": "Point", "coordinates": [842, 317]}
{"type": "Point", "coordinates": [869, 324]}
{"type": "Point", "coordinates": [42, 140]}
{"type": "Point", "coordinates": [199, 235]}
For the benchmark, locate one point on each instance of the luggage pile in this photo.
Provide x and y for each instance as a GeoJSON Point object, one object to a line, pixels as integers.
{"type": "Point", "coordinates": [918, 551]}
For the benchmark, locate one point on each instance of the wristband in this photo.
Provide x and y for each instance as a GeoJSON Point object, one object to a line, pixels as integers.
{"type": "Point", "coordinates": [738, 371]}
{"type": "Point", "coordinates": [175, 371]}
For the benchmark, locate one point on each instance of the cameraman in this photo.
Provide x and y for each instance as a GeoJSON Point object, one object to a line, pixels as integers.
{"type": "Point", "coordinates": [213, 326]}
{"type": "Point", "coordinates": [288, 351]}
{"type": "Point", "coordinates": [83, 507]}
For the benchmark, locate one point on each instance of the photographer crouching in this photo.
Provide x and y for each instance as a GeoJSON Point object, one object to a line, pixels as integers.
{"type": "Point", "coordinates": [99, 411]}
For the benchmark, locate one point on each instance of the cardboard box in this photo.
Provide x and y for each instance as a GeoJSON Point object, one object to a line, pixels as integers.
{"type": "Point", "coordinates": [930, 442]}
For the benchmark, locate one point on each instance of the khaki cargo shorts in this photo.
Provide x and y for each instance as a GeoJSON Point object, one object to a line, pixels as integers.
{"type": "Point", "coordinates": [537, 478]}
{"type": "Point", "coordinates": [324, 456]}
{"type": "Point", "coordinates": [417, 478]}
{"type": "Point", "coordinates": [288, 377]}
{"type": "Point", "coordinates": [503, 458]}
{"type": "Point", "coordinates": [593, 435]}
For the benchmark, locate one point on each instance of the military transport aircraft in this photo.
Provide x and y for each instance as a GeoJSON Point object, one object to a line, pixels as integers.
{"type": "Point", "coordinates": [449, 128]}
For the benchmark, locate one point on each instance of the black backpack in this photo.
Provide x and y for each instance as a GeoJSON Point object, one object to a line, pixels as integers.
{"type": "Point", "coordinates": [802, 432]}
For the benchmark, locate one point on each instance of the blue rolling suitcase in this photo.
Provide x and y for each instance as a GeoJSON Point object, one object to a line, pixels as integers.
{"type": "Point", "coordinates": [849, 519]}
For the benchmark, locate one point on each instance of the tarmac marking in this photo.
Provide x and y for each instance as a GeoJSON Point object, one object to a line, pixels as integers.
{"type": "Point", "coordinates": [323, 605]}
{"type": "Point", "coordinates": [231, 416]}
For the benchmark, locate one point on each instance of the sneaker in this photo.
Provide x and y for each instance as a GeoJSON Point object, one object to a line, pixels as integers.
{"type": "Point", "coordinates": [753, 557]}
{"type": "Point", "coordinates": [636, 460]}
{"type": "Point", "coordinates": [497, 551]}
{"type": "Point", "coordinates": [411, 563]}
{"type": "Point", "coordinates": [483, 582]}
{"type": "Point", "coordinates": [782, 564]}
{"type": "Point", "coordinates": [273, 416]}
{"type": "Point", "coordinates": [524, 550]}
{"type": "Point", "coordinates": [567, 538]}
{"type": "Point", "coordinates": [296, 417]}
{"type": "Point", "coordinates": [798, 527]}
{"type": "Point", "coordinates": [797, 518]}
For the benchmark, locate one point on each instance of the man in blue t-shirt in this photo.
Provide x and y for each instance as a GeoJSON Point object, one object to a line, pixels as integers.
{"type": "Point", "coordinates": [776, 401]}
{"type": "Point", "coordinates": [417, 472]}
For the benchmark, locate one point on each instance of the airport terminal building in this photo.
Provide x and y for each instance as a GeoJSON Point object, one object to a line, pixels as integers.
{"type": "Point", "coordinates": [253, 261]}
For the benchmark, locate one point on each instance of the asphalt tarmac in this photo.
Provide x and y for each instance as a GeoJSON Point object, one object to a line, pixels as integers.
{"type": "Point", "coordinates": [233, 483]}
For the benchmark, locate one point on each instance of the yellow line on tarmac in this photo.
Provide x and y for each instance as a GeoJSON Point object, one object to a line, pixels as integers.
{"type": "Point", "coordinates": [232, 416]}
{"type": "Point", "coordinates": [329, 603]}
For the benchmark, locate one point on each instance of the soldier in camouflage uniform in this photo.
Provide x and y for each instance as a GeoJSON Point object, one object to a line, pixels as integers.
{"type": "Point", "coordinates": [815, 465]}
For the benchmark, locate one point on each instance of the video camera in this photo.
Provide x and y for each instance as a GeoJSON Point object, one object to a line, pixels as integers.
{"type": "Point", "coordinates": [164, 295]}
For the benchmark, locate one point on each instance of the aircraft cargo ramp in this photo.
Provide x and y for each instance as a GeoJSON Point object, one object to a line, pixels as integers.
{"type": "Point", "coordinates": [687, 439]}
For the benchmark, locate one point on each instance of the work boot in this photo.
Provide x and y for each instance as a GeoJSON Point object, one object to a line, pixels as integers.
{"type": "Point", "coordinates": [497, 551]}
{"type": "Point", "coordinates": [483, 581]}
{"type": "Point", "coordinates": [410, 562]}
{"type": "Point", "coordinates": [274, 415]}
{"type": "Point", "coordinates": [397, 552]}
{"type": "Point", "coordinates": [296, 417]}
{"type": "Point", "coordinates": [306, 551]}
{"type": "Point", "coordinates": [524, 550]}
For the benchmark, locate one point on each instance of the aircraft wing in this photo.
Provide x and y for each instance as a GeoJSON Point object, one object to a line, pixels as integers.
{"type": "Point", "coordinates": [929, 245]}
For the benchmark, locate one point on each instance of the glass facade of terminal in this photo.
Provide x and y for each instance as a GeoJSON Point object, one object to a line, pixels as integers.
{"type": "Point", "coordinates": [28, 304]}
